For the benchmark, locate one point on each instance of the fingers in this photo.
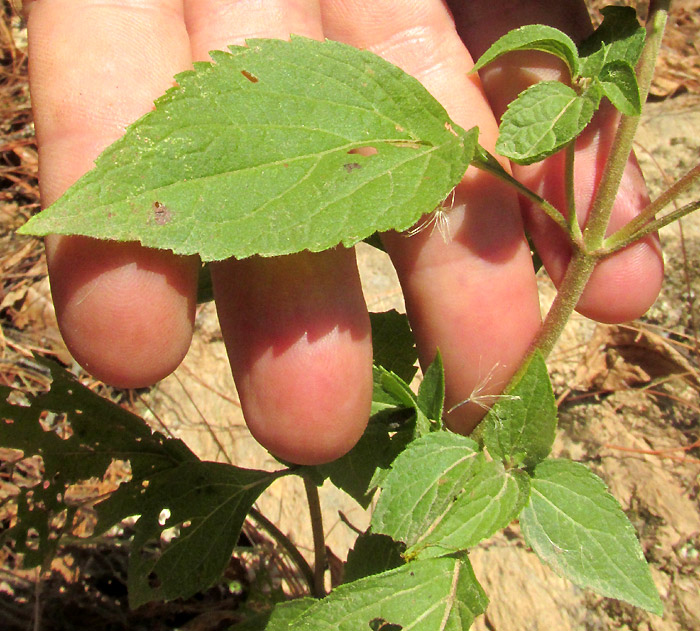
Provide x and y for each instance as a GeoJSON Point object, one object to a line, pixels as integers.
{"type": "Point", "coordinates": [624, 286]}
{"type": "Point", "coordinates": [296, 327]}
{"type": "Point", "coordinates": [125, 312]}
{"type": "Point", "coordinates": [473, 294]}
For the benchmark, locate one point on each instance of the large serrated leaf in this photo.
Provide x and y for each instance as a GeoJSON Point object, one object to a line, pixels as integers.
{"type": "Point", "coordinates": [534, 37]}
{"type": "Point", "coordinates": [443, 496]}
{"type": "Point", "coordinates": [521, 425]}
{"type": "Point", "coordinates": [90, 433]}
{"type": "Point", "coordinates": [432, 595]}
{"type": "Point", "coordinates": [207, 502]}
{"type": "Point", "coordinates": [275, 148]}
{"type": "Point", "coordinates": [543, 119]}
{"type": "Point", "coordinates": [577, 528]}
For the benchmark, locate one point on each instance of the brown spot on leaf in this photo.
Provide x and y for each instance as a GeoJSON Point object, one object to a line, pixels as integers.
{"type": "Point", "coordinates": [251, 77]}
{"type": "Point", "coordinates": [351, 166]}
{"type": "Point", "coordinates": [448, 127]}
{"type": "Point", "coordinates": [162, 215]}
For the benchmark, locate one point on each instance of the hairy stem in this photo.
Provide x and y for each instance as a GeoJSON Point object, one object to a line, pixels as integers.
{"type": "Point", "coordinates": [599, 217]}
{"type": "Point", "coordinates": [486, 162]}
{"type": "Point", "coordinates": [631, 232]}
{"type": "Point", "coordinates": [287, 544]}
{"type": "Point", "coordinates": [573, 227]}
{"type": "Point", "coordinates": [651, 227]}
{"type": "Point", "coordinates": [319, 539]}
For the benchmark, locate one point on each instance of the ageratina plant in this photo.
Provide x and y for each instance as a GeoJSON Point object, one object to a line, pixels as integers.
{"type": "Point", "coordinates": [193, 177]}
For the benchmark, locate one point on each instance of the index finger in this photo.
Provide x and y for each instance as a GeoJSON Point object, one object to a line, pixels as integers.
{"type": "Point", "coordinates": [125, 312]}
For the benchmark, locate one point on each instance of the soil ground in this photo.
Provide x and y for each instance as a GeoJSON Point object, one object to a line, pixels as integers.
{"type": "Point", "coordinates": [628, 399]}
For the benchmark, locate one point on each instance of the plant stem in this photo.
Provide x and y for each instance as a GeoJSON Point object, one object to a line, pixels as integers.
{"type": "Point", "coordinates": [573, 227]}
{"type": "Point", "coordinates": [486, 162]}
{"type": "Point", "coordinates": [287, 544]}
{"type": "Point", "coordinates": [629, 233]}
{"type": "Point", "coordinates": [319, 539]}
{"type": "Point", "coordinates": [599, 217]}
{"type": "Point", "coordinates": [653, 226]}
{"type": "Point", "coordinates": [574, 282]}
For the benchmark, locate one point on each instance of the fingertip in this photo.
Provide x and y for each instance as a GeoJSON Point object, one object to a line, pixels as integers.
{"type": "Point", "coordinates": [625, 286]}
{"type": "Point", "coordinates": [298, 338]}
{"type": "Point", "coordinates": [125, 312]}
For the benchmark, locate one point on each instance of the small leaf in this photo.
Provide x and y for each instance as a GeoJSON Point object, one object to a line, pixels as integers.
{"type": "Point", "coordinates": [372, 554]}
{"type": "Point", "coordinates": [440, 594]}
{"type": "Point", "coordinates": [577, 528]}
{"type": "Point", "coordinates": [442, 493]}
{"type": "Point", "coordinates": [208, 503]}
{"type": "Point", "coordinates": [393, 344]}
{"type": "Point", "coordinates": [542, 120]}
{"type": "Point", "coordinates": [620, 37]}
{"type": "Point", "coordinates": [431, 392]}
{"type": "Point", "coordinates": [275, 148]}
{"type": "Point", "coordinates": [534, 37]}
{"type": "Point", "coordinates": [489, 501]}
{"type": "Point", "coordinates": [619, 83]}
{"type": "Point", "coordinates": [521, 425]}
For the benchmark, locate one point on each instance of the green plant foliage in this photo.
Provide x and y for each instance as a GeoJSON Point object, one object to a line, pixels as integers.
{"type": "Point", "coordinates": [207, 502]}
{"type": "Point", "coordinates": [520, 427]}
{"type": "Point", "coordinates": [393, 344]}
{"type": "Point", "coordinates": [280, 618]}
{"type": "Point", "coordinates": [534, 37]}
{"type": "Point", "coordinates": [619, 84]}
{"type": "Point", "coordinates": [359, 471]}
{"type": "Point", "coordinates": [435, 594]}
{"type": "Point", "coordinates": [577, 528]}
{"type": "Point", "coordinates": [442, 492]}
{"type": "Point", "coordinates": [82, 434]}
{"type": "Point", "coordinates": [431, 393]}
{"type": "Point", "coordinates": [620, 37]}
{"type": "Point", "coordinates": [543, 119]}
{"type": "Point", "coordinates": [372, 554]}
{"type": "Point", "coordinates": [324, 142]}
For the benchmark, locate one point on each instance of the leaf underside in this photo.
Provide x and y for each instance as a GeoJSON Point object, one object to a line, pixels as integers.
{"type": "Point", "coordinates": [277, 147]}
{"type": "Point", "coordinates": [577, 528]}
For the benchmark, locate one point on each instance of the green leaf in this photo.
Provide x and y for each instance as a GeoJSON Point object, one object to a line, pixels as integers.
{"type": "Point", "coordinates": [431, 392]}
{"type": "Point", "coordinates": [520, 427]}
{"type": "Point", "coordinates": [82, 434]}
{"type": "Point", "coordinates": [280, 618]}
{"type": "Point", "coordinates": [534, 37]}
{"type": "Point", "coordinates": [441, 495]}
{"type": "Point", "coordinates": [620, 37]}
{"type": "Point", "coordinates": [393, 344]}
{"type": "Point", "coordinates": [372, 554]}
{"type": "Point", "coordinates": [356, 472]}
{"type": "Point", "coordinates": [543, 119]}
{"type": "Point", "coordinates": [275, 148]}
{"type": "Point", "coordinates": [619, 83]}
{"type": "Point", "coordinates": [435, 594]}
{"type": "Point", "coordinates": [577, 528]}
{"type": "Point", "coordinates": [207, 503]}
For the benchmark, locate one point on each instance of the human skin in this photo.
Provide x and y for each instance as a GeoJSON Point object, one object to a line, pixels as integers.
{"type": "Point", "coordinates": [296, 327]}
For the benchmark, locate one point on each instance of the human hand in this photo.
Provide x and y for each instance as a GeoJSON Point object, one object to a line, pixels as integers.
{"type": "Point", "coordinates": [296, 327]}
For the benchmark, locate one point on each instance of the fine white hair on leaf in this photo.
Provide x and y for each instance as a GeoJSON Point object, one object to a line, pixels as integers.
{"type": "Point", "coordinates": [437, 219]}
{"type": "Point", "coordinates": [483, 400]}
